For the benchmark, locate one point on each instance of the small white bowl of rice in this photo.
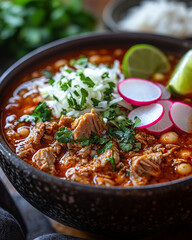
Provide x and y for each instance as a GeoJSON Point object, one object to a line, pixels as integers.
{"type": "Point", "coordinates": [164, 17]}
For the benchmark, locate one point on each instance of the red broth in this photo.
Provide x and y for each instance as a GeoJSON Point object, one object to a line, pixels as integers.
{"type": "Point", "coordinates": [158, 160]}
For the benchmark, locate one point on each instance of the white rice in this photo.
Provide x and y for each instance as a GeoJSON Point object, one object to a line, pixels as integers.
{"type": "Point", "coordinates": [161, 17]}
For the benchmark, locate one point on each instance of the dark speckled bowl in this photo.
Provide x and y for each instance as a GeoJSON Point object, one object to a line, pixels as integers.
{"type": "Point", "coordinates": [87, 207]}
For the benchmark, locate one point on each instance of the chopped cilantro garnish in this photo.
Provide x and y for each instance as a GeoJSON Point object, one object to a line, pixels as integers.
{"type": "Point", "coordinates": [69, 70]}
{"type": "Point", "coordinates": [86, 80]}
{"type": "Point", "coordinates": [76, 93]}
{"type": "Point", "coordinates": [124, 130]}
{"type": "Point", "coordinates": [137, 121]}
{"type": "Point", "coordinates": [56, 98]}
{"type": "Point", "coordinates": [47, 74]}
{"type": "Point", "coordinates": [63, 112]}
{"type": "Point", "coordinates": [95, 102]}
{"type": "Point", "coordinates": [64, 135]}
{"type": "Point", "coordinates": [41, 113]}
{"type": "Point", "coordinates": [84, 95]}
{"type": "Point", "coordinates": [82, 61]}
{"type": "Point", "coordinates": [127, 172]}
{"type": "Point", "coordinates": [73, 103]}
{"type": "Point", "coordinates": [93, 139]}
{"type": "Point", "coordinates": [84, 141]}
{"type": "Point", "coordinates": [112, 160]}
{"type": "Point", "coordinates": [125, 146]}
{"type": "Point", "coordinates": [137, 147]}
{"type": "Point", "coordinates": [105, 75]}
{"type": "Point", "coordinates": [108, 95]}
{"type": "Point", "coordinates": [111, 84]}
{"type": "Point", "coordinates": [51, 82]}
{"type": "Point", "coordinates": [64, 86]}
{"type": "Point", "coordinates": [109, 145]}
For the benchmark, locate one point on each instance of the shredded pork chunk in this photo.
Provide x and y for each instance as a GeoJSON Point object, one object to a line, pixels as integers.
{"type": "Point", "coordinates": [84, 164]}
{"type": "Point", "coordinates": [87, 123]}
{"type": "Point", "coordinates": [144, 166]}
{"type": "Point", "coordinates": [45, 159]}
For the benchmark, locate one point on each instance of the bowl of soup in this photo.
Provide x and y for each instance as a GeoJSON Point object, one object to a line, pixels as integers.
{"type": "Point", "coordinates": [69, 148]}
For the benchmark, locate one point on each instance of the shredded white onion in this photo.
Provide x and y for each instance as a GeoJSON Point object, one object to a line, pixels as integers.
{"type": "Point", "coordinates": [58, 99]}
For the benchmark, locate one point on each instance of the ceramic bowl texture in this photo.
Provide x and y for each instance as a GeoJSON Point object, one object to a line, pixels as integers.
{"type": "Point", "coordinates": [87, 207]}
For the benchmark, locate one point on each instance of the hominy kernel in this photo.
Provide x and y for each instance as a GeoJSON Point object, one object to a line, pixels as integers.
{"type": "Point", "coordinates": [103, 51]}
{"type": "Point", "coordinates": [23, 131]}
{"type": "Point", "coordinates": [118, 52]}
{"type": "Point", "coordinates": [35, 75]}
{"type": "Point", "coordinates": [60, 63]}
{"type": "Point", "coordinates": [169, 137]}
{"type": "Point", "coordinates": [159, 77]}
{"type": "Point", "coordinates": [184, 168]}
{"type": "Point", "coordinates": [106, 58]}
{"type": "Point", "coordinates": [38, 99]}
{"type": "Point", "coordinates": [28, 110]}
{"type": "Point", "coordinates": [94, 59]}
{"type": "Point", "coordinates": [185, 153]}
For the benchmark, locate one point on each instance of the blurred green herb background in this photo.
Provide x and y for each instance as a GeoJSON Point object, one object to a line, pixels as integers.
{"type": "Point", "coordinates": [28, 24]}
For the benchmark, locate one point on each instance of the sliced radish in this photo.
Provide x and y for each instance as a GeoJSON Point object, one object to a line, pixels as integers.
{"type": "Point", "coordinates": [165, 123]}
{"type": "Point", "coordinates": [181, 116]}
{"type": "Point", "coordinates": [165, 93]}
{"type": "Point", "coordinates": [148, 115]}
{"type": "Point", "coordinates": [139, 92]}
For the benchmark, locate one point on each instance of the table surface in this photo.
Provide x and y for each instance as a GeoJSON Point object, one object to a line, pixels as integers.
{"type": "Point", "coordinates": [183, 232]}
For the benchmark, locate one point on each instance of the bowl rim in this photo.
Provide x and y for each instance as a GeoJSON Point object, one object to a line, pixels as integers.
{"type": "Point", "coordinates": [30, 170]}
{"type": "Point", "coordinates": [107, 15]}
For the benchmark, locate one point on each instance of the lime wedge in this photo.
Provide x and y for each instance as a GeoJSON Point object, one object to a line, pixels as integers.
{"type": "Point", "coordinates": [181, 80]}
{"type": "Point", "coordinates": [143, 60]}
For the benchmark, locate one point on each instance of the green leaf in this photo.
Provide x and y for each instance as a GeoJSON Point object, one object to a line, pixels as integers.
{"type": "Point", "coordinates": [84, 95]}
{"type": "Point", "coordinates": [111, 84]}
{"type": "Point", "coordinates": [137, 147]}
{"type": "Point", "coordinates": [47, 74]}
{"type": "Point", "coordinates": [105, 75]}
{"type": "Point", "coordinates": [86, 80]}
{"type": "Point", "coordinates": [64, 135]}
{"type": "Point", "coordinates": [56, 98]}
{"type": "Point", "coordinates": [84, 141]}
{"type": "Point", "coordinates": [126, 146]}
{"type": "Point", "coordinates": [137, 121]}
{"type": "Point", "coordinates": [51, 82]}
{"type": "Point", "coordinates": [112, 160]}
{"type": "Point", "coordinates": [41, 113]}
{"type": "Point", "coordinates": [64, 86]}
{"type": "Point", "coordinates": [28, 24]}
{"type": "Point", "coordinates": [63, 112]}
{"type": "Point", "coordinates": [81, 61]}
{"type": "Point", "coordinates": [95, 102]}
{"type": "Point", "coordinates": [127, 172]}
{"type": "Point", "coordinates": [109, 145]}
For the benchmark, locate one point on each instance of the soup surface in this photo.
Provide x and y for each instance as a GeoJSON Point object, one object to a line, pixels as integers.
{"type": "Point", "coordinates": [67, 119]}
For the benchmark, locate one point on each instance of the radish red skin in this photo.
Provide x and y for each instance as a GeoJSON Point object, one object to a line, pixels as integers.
{"type": "Point", "coordinates": [152, 123]}
{"type": "Point", "coordinates": [135, 102]}
{"type": "Point", "coordinates": [166, 129]}
{"type": "Point", "coordinates": [170, 115]}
